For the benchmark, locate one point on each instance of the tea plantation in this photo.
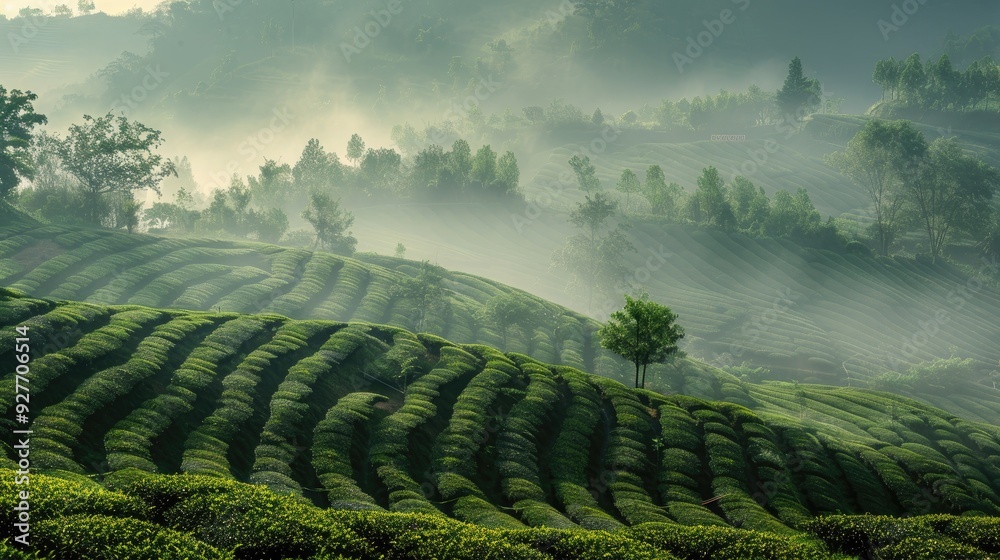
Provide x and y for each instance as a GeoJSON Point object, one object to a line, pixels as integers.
{"type": "Point", "coordinates": [101, 266]}
{"type": "Point", "coordinates": [368, 441]}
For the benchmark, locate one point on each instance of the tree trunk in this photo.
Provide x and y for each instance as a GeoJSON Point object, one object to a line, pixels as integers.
{"type": "Point", "coordinates": [636, 374]}
{"type": "Point", "coordinates": [643, 376]}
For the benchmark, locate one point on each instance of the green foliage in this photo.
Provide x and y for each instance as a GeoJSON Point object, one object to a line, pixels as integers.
{"type": "Point", "coordinates": [595, 256]}
{"type": "Point", "coordinates": [503, 311]}
{"type": "Point", "coordinates": [799, 95]}
{"type": "Point", "coordinates": [112, 155]}
{"type": "Point", "coordinates": [880, 158]}
{"type": "Point", "coordinates": [664, 199]}
{"type": "Point", "coordinates": [17, 119]}
{"type": "Point", "coordinates": [643, 332]}
{"type": "Point", "coordinates": [586, 174]}
{"type": "Point", "coordinates": [330, 223]}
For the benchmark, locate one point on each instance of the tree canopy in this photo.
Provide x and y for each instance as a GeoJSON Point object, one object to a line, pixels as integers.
{"type": "Point", "coordinates": [643, 332]}
{"type": "Point", "coordinates": [17, 119]}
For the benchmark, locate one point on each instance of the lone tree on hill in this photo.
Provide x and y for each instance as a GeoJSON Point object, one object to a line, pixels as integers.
{"type": "Point", "coordinates": [17, 118]}
{"type": "Point", "coordinates": [643, 332]}
{"type": "Point", "coordinates": [331, 223]}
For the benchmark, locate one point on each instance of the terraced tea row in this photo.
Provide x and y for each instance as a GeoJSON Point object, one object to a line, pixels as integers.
{"type": "Point", "coordinates": [808, 315]}
{"type": "Point", "coordinates": [366, 417]}
{"type": "Point", "coordinates": [141, 516]}
{"type": "Point", "coordinates": [114, 268]}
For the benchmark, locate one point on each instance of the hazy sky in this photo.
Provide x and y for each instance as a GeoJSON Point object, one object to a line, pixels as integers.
{"type": "Point", "coordinates": [10, 7]}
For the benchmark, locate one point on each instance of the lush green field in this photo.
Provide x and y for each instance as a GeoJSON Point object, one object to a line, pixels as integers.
{"type": "Point", "coordinates": [140, 516]}
{"type": "Point", "coordinates": [808, 315]}
{"type": "Point", "coordinates": [115, 268]}
{"type": "Point", "coordinates": [366, 417]}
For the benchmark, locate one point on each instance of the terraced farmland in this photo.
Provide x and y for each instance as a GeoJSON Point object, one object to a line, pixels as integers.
{"type": "Point", "coordinates": [808, 315]}
{"type": "Point", "coordinates": [366, 417]}
{"type": "Point", "coordinates": [115, 268]}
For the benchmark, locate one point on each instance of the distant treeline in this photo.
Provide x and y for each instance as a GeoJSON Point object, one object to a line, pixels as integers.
{"type": "Point", "coordinates": [938, 84]}
{"type": "Point", "coordinates": [259, 207]}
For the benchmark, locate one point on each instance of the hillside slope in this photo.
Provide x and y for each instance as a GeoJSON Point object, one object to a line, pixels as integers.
{"type": "Point", "coordinates": [809, 316]}
{"type": "Point", "coordinates": [101, 266]}
{"type": "Point", "coordinates": [367, 417]}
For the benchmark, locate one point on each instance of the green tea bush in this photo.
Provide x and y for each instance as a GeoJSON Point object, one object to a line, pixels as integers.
{"type": "Point", "coordinates": [99, 537]}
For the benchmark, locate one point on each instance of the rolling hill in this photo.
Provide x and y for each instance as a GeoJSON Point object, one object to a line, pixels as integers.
{"type": "Point", "coordinates": [366, 417]}
{"type": "Point", "coordinates": [808, 315]}
{"type": "Point", "coordinates": [102, 266]}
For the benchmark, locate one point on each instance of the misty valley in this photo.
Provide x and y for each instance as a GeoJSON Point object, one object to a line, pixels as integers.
{"type": "Point", "coordinates": [570, 279]}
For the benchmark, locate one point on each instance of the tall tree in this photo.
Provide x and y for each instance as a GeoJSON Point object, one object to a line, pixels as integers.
{"type": "Point", "coordinates": [380, 168]}
{"type": "Point", "coordinates": [113, 155]}
{"type": "Point", "coordinates": [273, 185]}
{"type": "Point", "coordinates": [425, 291]}
{"type": "Point", "coordinates": [331, 223]}
{"type": "Point", "coordinates": [798, 95]}
{"type": "Point", "coordinates": [460, 162]}
{"type": "Point", "coordinates": [712, 203]}
{"type": "Point", "coordinates": [628, 185]}
{"type": "Point", "coordinates": [508, 175]}
{"type": "Point", "coordinates": [484, 167]}
{"type": "Point", "coordinates": [887, 76]}
{"type": "Point", "coordinates": [17, 119]}
{"type": "Point", "coordinates": [595, 255]}
{"type": "Point", "coordinates": [316, 169]}
{"type": "Point", "coordinates": [881, 158]}
{"type": "Point", "coordinates": [943, 83]}
{"type": "Point", "coordinates": [952, 193]}
{"type": "Point", "coordinates": [912, 79]}
{"type": "Point", "coordinates": [504, 311]}
{"type": "Point", "coordinates": [643, 332]}
{"type": "Point", "coordinates": [749, 204]}
{"type": "Point", "coordinates": [792, 216]}
{"type": "Point", "coordinates": [665, 199]}
{"type": "Point", "coordinates": [586, 174]}
{"type": "Point", "coordinates": [355, 148]}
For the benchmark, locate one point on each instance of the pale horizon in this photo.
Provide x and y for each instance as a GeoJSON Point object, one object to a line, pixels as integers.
{"type": "Point", "coordinates": [10, 8]}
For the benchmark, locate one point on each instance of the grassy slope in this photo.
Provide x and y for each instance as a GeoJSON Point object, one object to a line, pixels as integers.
{"type": "Point", "coordinates": [154, 517]}
{"type": "Point", "coordinates": [806, 314]}
{"type": "Point", "coordinates": [116, 268]}
{"type": "Point", "coordinates": [373, 417]}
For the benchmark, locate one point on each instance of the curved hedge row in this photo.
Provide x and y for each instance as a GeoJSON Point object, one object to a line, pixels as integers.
{"type": "Point", "coordinates": [368, 417]}
{"type": "Point", "coordinates": [116, 268]}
